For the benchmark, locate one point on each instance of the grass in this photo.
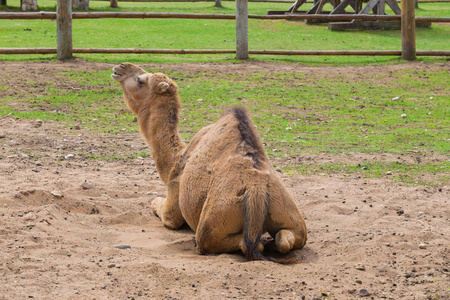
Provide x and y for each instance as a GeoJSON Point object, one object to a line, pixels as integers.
{"type": "Point", "coordinates": [295, 113]}
{"type": "Point", "coordinates": [214, 34]}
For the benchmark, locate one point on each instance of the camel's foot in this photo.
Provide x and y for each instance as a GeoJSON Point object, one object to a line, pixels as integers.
{"type": "Point", "coordinates": [284, 240]}
{"type": "Point", "coordinates": [157, 205]}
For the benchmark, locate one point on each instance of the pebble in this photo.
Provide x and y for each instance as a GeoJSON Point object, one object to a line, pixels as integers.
{"type": "Point", "coordinates": [111, 265]}
{"type": "Point", "coordinates": [87, 185]}
{"type": "Point", "coordinates": [57, 194]}
{"type": "Point", "coordinates": [77, 127]}
{"type": "Point", "coordinates": [38, 123]}
{"type": "Point", "coordinates": [278, 169]}
{"type": "Point", "coordinates": [2, 135]}
{"type": "Point", "coordinates": [38, 163]}
{"type": "Point", "coordinates": [122, 246]}
{"type": "Point", "coordinates": [152, 193]}
{"type": "Point", "coordinates": [358, 281]}
{"type": "Point", "coordinates": [364, 293]}
{"type": "Point", "coordinates": [69, 156]}
{"type": "Point", "coordinates": [422, 246]}
{"type": "Point", "coordinates": [360, 266]}
{"type": "Point", "coordinates": [384, 268]}
{"type": "Point", "coordinates": [23, 155]}
{"type": "Point", "coordinates": [135, 119]}
{"type": "Point", "coordinates": [395, 98]}
{"type": "Point", "coordinates": [403, 116]}
{"type": "Point", "coordinates": [389, 173]}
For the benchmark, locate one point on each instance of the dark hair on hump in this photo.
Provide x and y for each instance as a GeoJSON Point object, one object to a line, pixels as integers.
{"type": "Point", "coordinates": [248, 133]}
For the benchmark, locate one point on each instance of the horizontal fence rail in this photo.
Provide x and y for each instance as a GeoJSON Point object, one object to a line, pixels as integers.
{"type": "Point", "coordinates": [167, 15]}
{"type": "Point", "coordinates": [223, 51]}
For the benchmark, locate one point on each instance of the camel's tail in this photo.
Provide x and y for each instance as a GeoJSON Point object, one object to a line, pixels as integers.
{"type": "Point", "coordinates": [256, 203]}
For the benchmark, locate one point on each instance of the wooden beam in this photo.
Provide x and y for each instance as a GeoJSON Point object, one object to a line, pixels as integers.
{"type": "Point", "coordinates": [241, 29]}
{"type": "Point", "coordinates": [224, 51]}
{"type": "Point", "coordinates": [64, 29]}
{"type": "Point", "coordinates": [408, 30]}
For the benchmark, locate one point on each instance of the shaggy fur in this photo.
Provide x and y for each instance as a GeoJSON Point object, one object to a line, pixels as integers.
{"type": "Point", "coordinates": [222, 184]}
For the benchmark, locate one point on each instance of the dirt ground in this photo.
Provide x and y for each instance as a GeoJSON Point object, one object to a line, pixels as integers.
{"type": "Point", "coordinates": [62, 216]}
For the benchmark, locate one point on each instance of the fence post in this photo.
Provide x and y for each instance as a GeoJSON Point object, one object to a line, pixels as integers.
{"type": "Point", "coordinates": [64, 29]}
{"type": "Point", "coordinates": [241, 29]}
{"type": "Point", "coordinates": [408, 30]}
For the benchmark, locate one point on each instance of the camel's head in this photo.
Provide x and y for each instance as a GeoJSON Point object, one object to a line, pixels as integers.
{"type": "Point", "coordinates": [141, 88]}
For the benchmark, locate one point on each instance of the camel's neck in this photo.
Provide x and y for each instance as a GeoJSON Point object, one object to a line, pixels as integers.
{"type": "Point", "coordinates": [159, 126]}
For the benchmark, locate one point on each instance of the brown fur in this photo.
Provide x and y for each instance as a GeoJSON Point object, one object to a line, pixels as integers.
{"type": "Point", "coordinates": [222, 184]}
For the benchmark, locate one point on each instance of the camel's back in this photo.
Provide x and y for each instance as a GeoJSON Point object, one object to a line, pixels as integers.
{"type": "Point", "coordinates": [233, 135]}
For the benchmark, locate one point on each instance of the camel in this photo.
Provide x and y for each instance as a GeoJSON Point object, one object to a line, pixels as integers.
{"type": "Point", "coordinates": [222, 183]}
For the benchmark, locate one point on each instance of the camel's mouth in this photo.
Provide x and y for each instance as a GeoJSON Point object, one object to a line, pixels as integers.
{"type": "Point", "coordinates": [116, 75]}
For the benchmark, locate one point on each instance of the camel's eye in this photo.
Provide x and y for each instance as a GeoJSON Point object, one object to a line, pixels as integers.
{"type": "Point", "coordinates": [139, 81]}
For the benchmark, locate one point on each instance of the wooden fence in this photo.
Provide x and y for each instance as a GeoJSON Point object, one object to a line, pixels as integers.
{"type": "Point", "coordinates": [64, 16]}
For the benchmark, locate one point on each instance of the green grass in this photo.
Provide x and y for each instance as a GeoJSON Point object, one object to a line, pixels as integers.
{"type": "Point", "coordinates": [294, 112]}
{"type": "Point", "coordinates": [214, 34]}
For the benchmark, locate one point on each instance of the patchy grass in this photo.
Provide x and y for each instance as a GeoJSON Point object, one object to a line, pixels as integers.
{"type": "Point", "coordinates": [296, 114]}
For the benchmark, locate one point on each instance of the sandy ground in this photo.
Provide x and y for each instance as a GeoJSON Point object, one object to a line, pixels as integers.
{"type": "Point", "coordinates": [371, 238]}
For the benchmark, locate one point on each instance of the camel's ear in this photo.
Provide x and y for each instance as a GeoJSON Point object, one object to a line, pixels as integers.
{"type": "Point", "coordinates": [162, 87]}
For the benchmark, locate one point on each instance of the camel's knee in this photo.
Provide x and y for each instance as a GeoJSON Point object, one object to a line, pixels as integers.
{"type": "Point", "coordinates": [157, 204]}
{"type": "Point", "coordinates": [171, 219]}
{"type": "Point", "coordinates": [284, 240]}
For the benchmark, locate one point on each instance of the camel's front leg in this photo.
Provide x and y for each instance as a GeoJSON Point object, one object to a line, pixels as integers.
{"type": "Point", "coordinates": [168, 209]}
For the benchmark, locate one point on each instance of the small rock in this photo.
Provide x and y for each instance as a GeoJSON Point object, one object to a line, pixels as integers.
{"type": "Point", "coordinates": [29, 216]}
{"type": "Point", "coordinates": [77, 127]}
{"type": "Point", "coordinates": [135, 119]}
{"type": "Point", "coordinates": [395, 98]}
{"type": "Point", "coordinates": [111, 265]}
{"type": "Point", "coordinates": [364, 293]}
{"type": "Point", "coordinates": [384, 268]}
{"type": "Point", "coordinates": [278, 169]}
{"type": "Point", "coordinates": [2, 135]}
{"type": "Point", "coordinates": [422, 246]}
{"type": "Point", "coordinates": [360, 266]}
{"type": "Point", "coordinates": [389, 173]}
{"type": "Point", "coordinates": [38, 123]}
{"type": "Point", "coordinates": [403, 116]}
{"type": "Point", "coordinates": [18, 196]}
{"type": "Point", "coordinates": [358, 281]}
{"type": "Point", "coordinates": [57, 194]}
{"type": "Point", "coordinates": [87, 185]}
{"type": "Point", "coordinates": [200, 100]}
{"type": "Point", "coordinates": [122, 246]}
{"type": "Point", "coordinates": [38, 164]}
{"type": "Point", "coordinates": [23, 155]}
{"type": "Point", "coordinates": [69, 156]}
{"type": "Point", "coordinates": [152, 193]}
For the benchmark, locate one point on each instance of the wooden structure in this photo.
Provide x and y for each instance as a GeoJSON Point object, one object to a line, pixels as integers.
{"type": "Point", "coordinates": [358, 7]}
{"type": "Point", "coordinates": [339, 7]}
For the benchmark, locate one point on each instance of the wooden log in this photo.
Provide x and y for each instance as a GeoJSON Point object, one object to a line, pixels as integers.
{"type": "Point", "coordinates": [408, 30]}
{"type": "Point", "coordinates": [241, 29]}
{"type": "Point", "coordinates": [224, 51]}
{"type": "Point", "coordinates": [132, 15]}
{"type": "Point", "coordinates": [64, 29]}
